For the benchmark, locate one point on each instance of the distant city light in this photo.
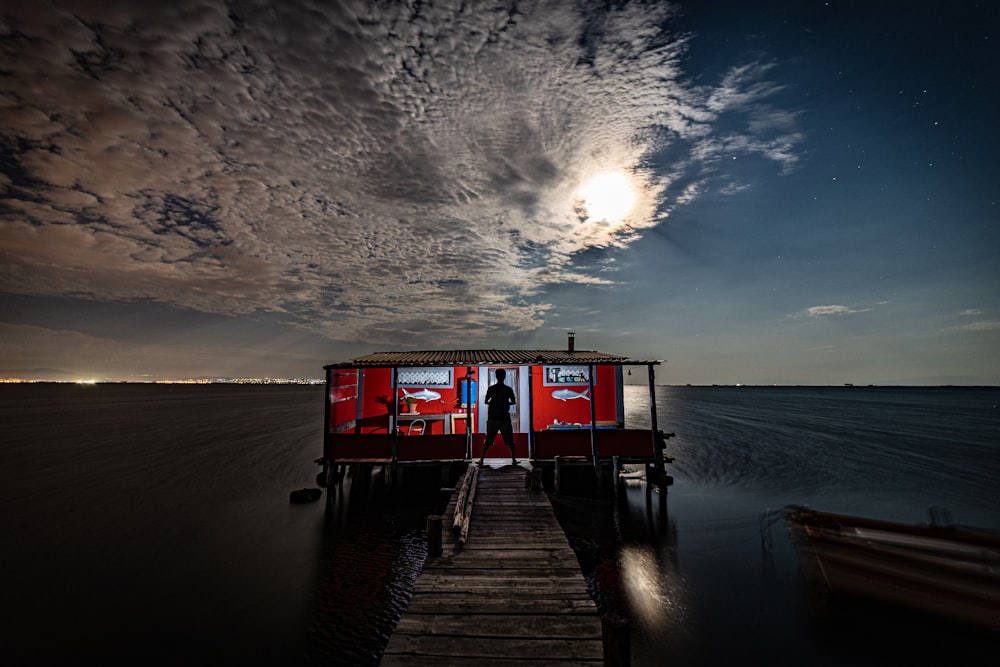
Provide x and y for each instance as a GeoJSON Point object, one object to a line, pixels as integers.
{"type": "Point", "coordinates": [247, 380]}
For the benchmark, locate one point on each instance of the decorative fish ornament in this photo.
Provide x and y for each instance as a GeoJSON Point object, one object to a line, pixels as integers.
{"type": "Point", "coordinates": [569, 394]}
{"type": "Point", "coordinates": [423, 394]}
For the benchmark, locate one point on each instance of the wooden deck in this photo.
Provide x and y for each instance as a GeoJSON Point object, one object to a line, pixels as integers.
{"type": "Point", "coordinates": [512, 595]}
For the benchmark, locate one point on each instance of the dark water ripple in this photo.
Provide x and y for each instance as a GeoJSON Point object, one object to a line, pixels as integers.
{"type": "Point", "coordinates": [907, 440]}
{"type": "Point", "coordinates": [369, 581]}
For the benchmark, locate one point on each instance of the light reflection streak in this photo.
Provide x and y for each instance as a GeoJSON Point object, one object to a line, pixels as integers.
{"type": "Point", "coordinates": [655, 596]}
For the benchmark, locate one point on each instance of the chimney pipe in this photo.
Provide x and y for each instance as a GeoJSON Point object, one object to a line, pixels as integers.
{"type": "Point", "coordinates": [572, 342]}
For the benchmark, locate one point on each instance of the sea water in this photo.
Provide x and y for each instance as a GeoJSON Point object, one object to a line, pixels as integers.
{"type": "Point", "coordinates": [152, 524]}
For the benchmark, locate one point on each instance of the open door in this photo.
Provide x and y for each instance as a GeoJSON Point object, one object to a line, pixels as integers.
{"type": "Point", "coordinates": [513, 381]}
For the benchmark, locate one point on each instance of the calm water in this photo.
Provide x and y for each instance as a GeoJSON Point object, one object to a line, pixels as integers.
{"type": "Point", "coordinates": [151, 524]}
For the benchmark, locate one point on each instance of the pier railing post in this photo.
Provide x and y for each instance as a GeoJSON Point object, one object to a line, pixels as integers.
{"type": "Point", "coordinates": [557, 473]}
{"type": "Point", "coordinates": [434, 535]}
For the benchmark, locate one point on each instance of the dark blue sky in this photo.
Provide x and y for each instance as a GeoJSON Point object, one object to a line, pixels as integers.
{"type": "Point", "coordinates": [213, 190]}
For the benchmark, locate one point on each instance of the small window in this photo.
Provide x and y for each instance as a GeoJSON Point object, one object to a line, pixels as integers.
{"type": "Point", "coordinates": [425, 377]}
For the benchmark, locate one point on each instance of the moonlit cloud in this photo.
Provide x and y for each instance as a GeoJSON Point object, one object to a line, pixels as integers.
{"type": "Point", "coordinates": [367, 171]}
{"type": "Point", "coordinates": [982, 325]}
{"type": "Point", "coordinates": [823, 311]}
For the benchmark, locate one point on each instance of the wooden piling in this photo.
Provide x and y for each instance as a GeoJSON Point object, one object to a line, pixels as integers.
{"type": "Point", "coordinates": [616, 474]}
{"type": "Point", "coordinates": [617, 641]}
{"type": "Point", "coordinates": [434, 535]}
{"type": "Point", "coordinates": [534, 477]}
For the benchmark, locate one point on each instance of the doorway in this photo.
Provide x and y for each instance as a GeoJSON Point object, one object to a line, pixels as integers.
{"type": "Point", "coordinates": [513, 381]}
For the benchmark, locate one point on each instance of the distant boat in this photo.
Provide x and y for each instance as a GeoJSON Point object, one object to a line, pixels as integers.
{"type": "Point", "coordinates": [947, 570]}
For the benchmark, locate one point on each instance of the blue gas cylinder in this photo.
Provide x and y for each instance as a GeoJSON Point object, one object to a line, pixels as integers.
{"type": "Point", "coordinates": [467, 389]}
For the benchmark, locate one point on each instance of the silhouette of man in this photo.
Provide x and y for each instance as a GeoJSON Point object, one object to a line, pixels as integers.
{"type": "Point", "coordinates": [499, 398]}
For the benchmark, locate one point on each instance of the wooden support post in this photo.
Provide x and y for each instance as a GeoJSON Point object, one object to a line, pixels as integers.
{"type": "Point", "coordinates": [535, 479]}
{"type": "Point", "coordinates": [617, 641]}
{"type": "Point", "coordinates": [663, 508]}
{"type": "Point", "coordinates": [616, 473]}
{"type": "Point", "coordinates": [658, 464]}
{"type": "Point", "coordinates": [361, 480]}
{"type": "Point", "coordinates": [594, 448]}
{"type": "Point", "coordinates": [557, 473]}
{"type": "Point", "coordinates": [434, 535]}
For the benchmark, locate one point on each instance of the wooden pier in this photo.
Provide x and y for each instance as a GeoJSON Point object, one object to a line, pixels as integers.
{"type": "Point", "coordinates": [512, 594]}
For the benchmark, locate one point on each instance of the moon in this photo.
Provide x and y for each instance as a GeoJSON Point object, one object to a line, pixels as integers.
{"type": "Point", "coordinates": [608, 197]}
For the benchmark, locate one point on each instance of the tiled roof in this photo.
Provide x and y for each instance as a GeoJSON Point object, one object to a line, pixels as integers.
{"type": "Point", "coordinates": [488, 357]}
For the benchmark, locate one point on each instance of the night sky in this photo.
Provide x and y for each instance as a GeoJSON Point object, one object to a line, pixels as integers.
{"type": "Point", "coordinates": [205, 188]}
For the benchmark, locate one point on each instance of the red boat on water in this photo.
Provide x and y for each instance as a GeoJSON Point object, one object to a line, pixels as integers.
{"type": "Point", "coordinates": [399, 409]}
{"type": "Point", "coordinates": [946, 570]}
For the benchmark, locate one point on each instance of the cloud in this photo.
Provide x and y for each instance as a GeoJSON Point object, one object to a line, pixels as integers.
{"type": "Point", "coordinates": [982, 325]}
{"type": "Point", "coordinates": [734, 188]}
{"type": "Point", "coordinates": [823, 311]}
{"type": "Point", "coordinates": [368, 171]}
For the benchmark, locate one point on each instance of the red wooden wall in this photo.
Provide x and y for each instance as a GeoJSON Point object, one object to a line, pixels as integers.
{"type": "Point", "coordinates": [577, 410]}
{"type": "Point", "coordinates": [377, 400]}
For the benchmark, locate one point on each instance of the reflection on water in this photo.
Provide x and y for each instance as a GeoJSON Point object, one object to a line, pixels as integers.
{"type": "Point", "coordinates": [654, 594]}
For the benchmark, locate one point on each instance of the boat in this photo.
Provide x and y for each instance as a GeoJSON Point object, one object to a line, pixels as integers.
{"type": "Point", "coordinates": [569, 410]}
{"type": "Point", "coordinates": [946, 570]}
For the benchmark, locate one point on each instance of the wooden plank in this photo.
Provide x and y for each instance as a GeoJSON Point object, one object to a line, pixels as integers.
{"type": "Point", "coordinates": [502, 595]}
{"type": "Point", "coordinates": [521, 625]}
{"type": "Point", "coordinates": [511, 575]}
{"type": "Point", "coordinates": [513, 593]}
{"type": "Point", "coordinates": [540, 649]}
{"type": "Point", "coordinates": [457, 603]}
{"type": "Point", "coordinates": [452, 661]}
{"type": "Point", "coordinates": [455, 661]}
